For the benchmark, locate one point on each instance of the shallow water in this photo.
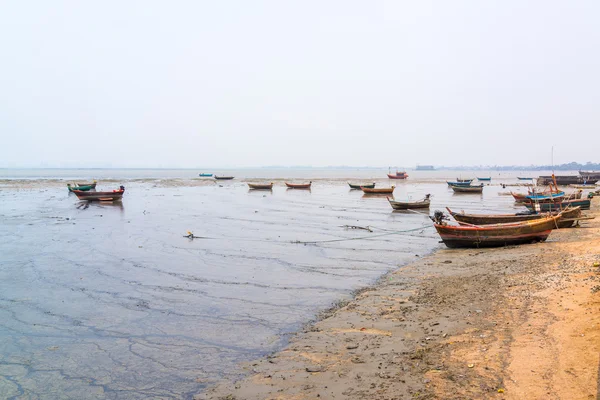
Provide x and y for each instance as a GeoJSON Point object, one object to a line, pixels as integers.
{"type": "Point", "coordinates": [113, 302]}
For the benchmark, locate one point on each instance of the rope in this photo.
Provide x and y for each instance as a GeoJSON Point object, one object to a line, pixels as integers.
{"type": "Point", "coordinates": [423, 227]}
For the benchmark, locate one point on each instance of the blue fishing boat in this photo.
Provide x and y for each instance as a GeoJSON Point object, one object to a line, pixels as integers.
{"type": "Point", "coordinates": [205, 175]}
{"type": "Point", "coordinates": [559, 205]}
{"type": "Point", "coordinates": [521, 178]}
{"type": "Point", "coordinates": [463, 183]}
{"type": "Point", "coordinates": [546, 196]}
{"type": "Point", "coordinates": [484, 179]}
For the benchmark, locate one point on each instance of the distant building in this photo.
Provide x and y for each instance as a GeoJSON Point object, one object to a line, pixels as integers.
{"type": "Point", "coordinates": [425, 168]}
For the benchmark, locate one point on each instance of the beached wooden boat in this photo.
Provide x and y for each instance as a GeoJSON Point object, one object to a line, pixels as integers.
{"type": "Point", "coordinates": [378, 190]}
{"type": "Point", "coordinates": [584, 204]}
{"type": "Point", "coordinates": [369, 186]}
{"type": "Point", "coordinates": [484, 179]}
{"type": "Point", "coordinates": [80, 188]}
{"type": "Point", "coordinates": [92, 184]}
{"type": "Point", "coordinates": [205, 175]}
{"type": "Point", "coordinates": [522, 198]}
{"type": "Point", "coordinates": [224, 178]}
{"type": "Point", "coordinates": [298, 185]}
{"type": "Point", "coordinates": [461, 183]}
{"type": "Point", "coordinates": [398, 175]}
{"type": "Point", "coordinates": [115, 195]}
{"type": "Point", "coordinates": [260, 186]}
{"type": "Point", "coordinates": [409, 205]}
{"type": "Point", "coordinates": [566, 180]}
{"type": "Point", "coordinates": [568, 217]}
{"type": "Point", "coordinates": [468, 189]}
{"type": "Point", "coordinates": [496, 235]}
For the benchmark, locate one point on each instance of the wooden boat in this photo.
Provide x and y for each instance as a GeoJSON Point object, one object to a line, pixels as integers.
{"type": "Point", "coordinates": [495, 235]}
{"type": "Point", "coordinates": [92, 184]}
{"type": "Point", "coordinates": [409, 205]}
{"type": "Point", "coordinates": [567, 180]}
{"type": "Point", "coordinates": [583, 186]}
{"type": "Point", "coordinates": [80, 188]}
{"type": "Point", "coordinates": [261, 186]}
{"type": "Point", "coordinates": [464, 180]}
{"type": "Point", "coordinates": [468, 189]}
{"type": "Point", "coordinates": [522, 198]}
{"type": "Point", "coordinates": [584, 204]}
{"type": "Point", "coordinates": [484, 179]}
{"type": "Point", "coordinates": [457, 183]}
{"type": "Point", "coordinates": [205, 175]}
{"type": "Point", "coordinates": [224, 178]}
{"type": "Point", "coordinates": [398, 175]}
{"type": "Point", "coordinates": [298, 185]}
{"type": "Point", "coordinates": [371, 186]}
{"type": "Point", "coordinates": [115, 195]}
{"type": "Point", "coordinates": [568, 217]}
{"type": "Point", "coordinates": [378, 190]}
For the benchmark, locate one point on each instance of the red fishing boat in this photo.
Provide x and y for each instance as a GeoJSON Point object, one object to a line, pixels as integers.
{"type": "Point", "coordinates": [495, 235]}
{"type": "Point", "coordinates": [378, 190]}
{"type": "Point", "coordinates": [398, 175]}
{"type": "Point", "coordinates": [298, 185]}
{"type": "Point", "coordinates": [115, 195]}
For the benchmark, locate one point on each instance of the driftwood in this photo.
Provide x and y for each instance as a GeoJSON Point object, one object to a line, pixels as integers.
{"type": "Point", "coordinates": [366, 228]}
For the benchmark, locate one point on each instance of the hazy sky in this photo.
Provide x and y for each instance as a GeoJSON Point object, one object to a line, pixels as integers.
{"type": "Point", "coordinates": [250, 83]}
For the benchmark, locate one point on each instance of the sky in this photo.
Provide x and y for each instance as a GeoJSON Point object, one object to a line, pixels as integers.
{"type": "Point", "coordinates": [254, 83]}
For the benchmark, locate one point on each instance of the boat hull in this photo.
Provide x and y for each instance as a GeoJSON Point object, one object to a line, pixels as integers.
{"type": "Point", "coordinates": [115, 195]}
{"type": "Point", "coordinates": [371, 186]}
{"type": "Point", "coordinates": [298, 185]}
{"type": "Point", "coordinates": [224, 178]}
{"type": "Point", "coordinates": [459, 183]}
{"type": "Point", "coordinates": [401, 205]}
{"type": "Point", "coordinates": [205, 175]}
{"type": "Point", "coordinates": [566, 220]}
{"type": "Point", "coordinates": [467, 189]}
{"type": "Point", "coordinates": [254, 186]}
{"type": "Point", "coordinates": [393, 176]}
{"type": "Point", "coordinates": [584, 204]}
{"type": "Point", "coordinates": [497, 235]}
{"type": "Point", "coordinates": [367, 190]}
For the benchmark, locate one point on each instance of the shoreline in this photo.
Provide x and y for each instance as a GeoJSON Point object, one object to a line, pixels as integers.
{"type": "Point", "coordinates": [515, 322]}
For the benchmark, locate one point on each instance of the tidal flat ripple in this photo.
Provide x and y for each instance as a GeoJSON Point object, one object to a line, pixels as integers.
{"type": "Point", "coordinates": [113, 302]}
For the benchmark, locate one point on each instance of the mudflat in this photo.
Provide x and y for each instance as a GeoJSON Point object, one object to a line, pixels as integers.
{"type": "Point", "coordinates": [519, 322]}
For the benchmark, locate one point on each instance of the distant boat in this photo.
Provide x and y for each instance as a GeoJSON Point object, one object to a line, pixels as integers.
{"type": "Point", "coordinates": [409, 205]}
{"type": "Point", "coordinates": [298, 185]}
{"type": "Point", "coordinates": [261, 186]}
{"type": "Point", "coordinates": [559, 205]}
{"type": "Point", "coordinates": [524, 179]}
{"type": "Point", "coordinates": [484, 179]}
{"type": "Point", "coordinates": [80, 188]}
{"type": "Point", "coordinates": [468, 189]}
{"type": "Point", "coordinates": [461, 183]}
{"type": "Point", "coordinates": [224, 178]}
{"type": "Point", "coordinates": [91, 184]}
{"type": "Point", "coordinates": [378, 190]}
{"type": "Point", "coordinates": [205, 175]}
{"type": "Point", "coordinates": [115, 195]}
{"type": "Point", "coordinates": [495, 235]}
{"type": "Point", "coordinates": [398, 175]}
{"type": "Point", "coordinates": [368, 186]}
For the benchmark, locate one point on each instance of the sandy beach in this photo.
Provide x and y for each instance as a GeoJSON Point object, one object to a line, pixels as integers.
{"type": "Point", "coordinates": [517, 322]}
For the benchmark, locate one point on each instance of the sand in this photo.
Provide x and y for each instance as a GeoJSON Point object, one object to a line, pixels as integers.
{"type": "Point", "coordinates": [519, 322]}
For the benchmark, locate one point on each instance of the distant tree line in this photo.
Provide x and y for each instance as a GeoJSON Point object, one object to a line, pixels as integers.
{"type": "Point", "coordinates": [572, 166]}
